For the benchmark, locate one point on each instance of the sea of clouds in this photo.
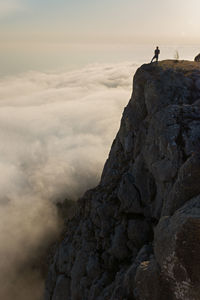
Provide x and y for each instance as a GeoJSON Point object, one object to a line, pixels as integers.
{"type": "Point", "coordinates": [56, 130]}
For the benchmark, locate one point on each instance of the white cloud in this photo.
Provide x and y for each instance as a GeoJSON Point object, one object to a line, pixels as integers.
{"type": "Point", "coordinates": [55, 130]}
{"type": "Point", "coordinates": [60, 124]}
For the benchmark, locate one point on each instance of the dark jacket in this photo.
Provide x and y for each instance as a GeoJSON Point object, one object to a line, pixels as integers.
{"type": "Point", "coordinates": [157, 52]}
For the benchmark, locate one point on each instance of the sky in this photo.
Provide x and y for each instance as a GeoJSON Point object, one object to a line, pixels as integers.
{"type": "Point", "coordinates": [40, 35]}
{"type": "Point", "coordinates": [66, 75]}
{"type": "Point", "coordinates": [105, 20]}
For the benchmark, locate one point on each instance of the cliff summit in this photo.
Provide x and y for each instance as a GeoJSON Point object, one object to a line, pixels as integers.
{"type": "Point", "coordinates": [136, 236]}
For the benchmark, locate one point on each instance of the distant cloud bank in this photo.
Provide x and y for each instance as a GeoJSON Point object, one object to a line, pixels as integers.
{"type": "Point", "coordinates": [56, 130]}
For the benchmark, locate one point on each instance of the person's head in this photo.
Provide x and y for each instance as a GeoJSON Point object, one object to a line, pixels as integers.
{"type": "Point", "coordinates": [157, 47]}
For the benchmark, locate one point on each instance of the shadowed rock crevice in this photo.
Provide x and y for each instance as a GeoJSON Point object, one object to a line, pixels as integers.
{"type": "Point", "coordinates": [136, 235]}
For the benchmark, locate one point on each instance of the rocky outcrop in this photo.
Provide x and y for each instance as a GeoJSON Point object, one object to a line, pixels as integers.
{"type": "Point", "coordinates": [137, 234]}
{"type": "Point", "coordinates": [197, 58]}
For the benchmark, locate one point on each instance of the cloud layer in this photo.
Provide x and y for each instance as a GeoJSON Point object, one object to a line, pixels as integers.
{"type": "Point", "coordinates": [56, 130]}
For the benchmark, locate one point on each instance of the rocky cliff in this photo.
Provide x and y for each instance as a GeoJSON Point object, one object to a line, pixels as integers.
{"type": "Point", "coordinates": [137, 234]}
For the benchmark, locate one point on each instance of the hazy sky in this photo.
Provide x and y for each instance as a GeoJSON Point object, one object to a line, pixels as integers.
{"type": "Point", "coordinates": [105, 20]}
{"type": "Point", "coordinates": [56, 127]}
{"type": "Point", "coordinates": [42, 34]}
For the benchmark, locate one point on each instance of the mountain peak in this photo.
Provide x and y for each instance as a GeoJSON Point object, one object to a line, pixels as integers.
{"type": "Point", "coordinates": [133, 234]}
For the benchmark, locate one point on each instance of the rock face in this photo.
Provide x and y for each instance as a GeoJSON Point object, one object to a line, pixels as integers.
{"type": "Point", "coordinates": [137, 234]}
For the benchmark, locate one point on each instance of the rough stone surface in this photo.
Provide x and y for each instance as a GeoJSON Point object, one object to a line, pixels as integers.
{"type": "Point", "coordinates": [137, 234]}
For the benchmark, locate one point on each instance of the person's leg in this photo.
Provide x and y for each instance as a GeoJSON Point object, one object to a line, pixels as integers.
{"type": "Point", "coordinates": [153, 58]}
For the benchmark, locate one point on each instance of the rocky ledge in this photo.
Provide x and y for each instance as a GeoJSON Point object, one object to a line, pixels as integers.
{"type": "Point", "coordinates": [137, 234]}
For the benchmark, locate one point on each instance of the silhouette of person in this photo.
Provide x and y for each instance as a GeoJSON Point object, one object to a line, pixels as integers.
{"type": "Point", "coordinates": [156, 53]}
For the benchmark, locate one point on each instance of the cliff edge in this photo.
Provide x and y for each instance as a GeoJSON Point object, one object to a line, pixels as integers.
{"type": "Point", "coordinates": [137, 234]}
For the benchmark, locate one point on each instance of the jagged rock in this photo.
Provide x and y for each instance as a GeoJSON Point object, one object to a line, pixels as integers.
{"type": "Point", "coordinates": [136, 236]}
{"type": "Point", "coordinates": [186, 186]}
{"type": "Point", "coordinates": [177, 248]}
{"type": "Point", "coordinates": [77, 273]}
{"type": "Point", "coordinates": [119, 248]}
{"type": "Point", "coordinates": [129, 196]}
{"type": "Point", "coordinates": [62, 289]}
{"type": "Point", "coordinates": [197, 58]}
{"type": "Point", "coordinates": [148, 275]}
{"type": "Point", "coordinates": [93, 267]}
{"type": "Point", "coordinates": [129, 277]}
{"type": "Point", "coordinates": [139, 231]}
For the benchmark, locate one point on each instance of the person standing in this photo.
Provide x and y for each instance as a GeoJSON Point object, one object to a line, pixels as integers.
{"type": "Point", "coordinates": [156, 54]}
